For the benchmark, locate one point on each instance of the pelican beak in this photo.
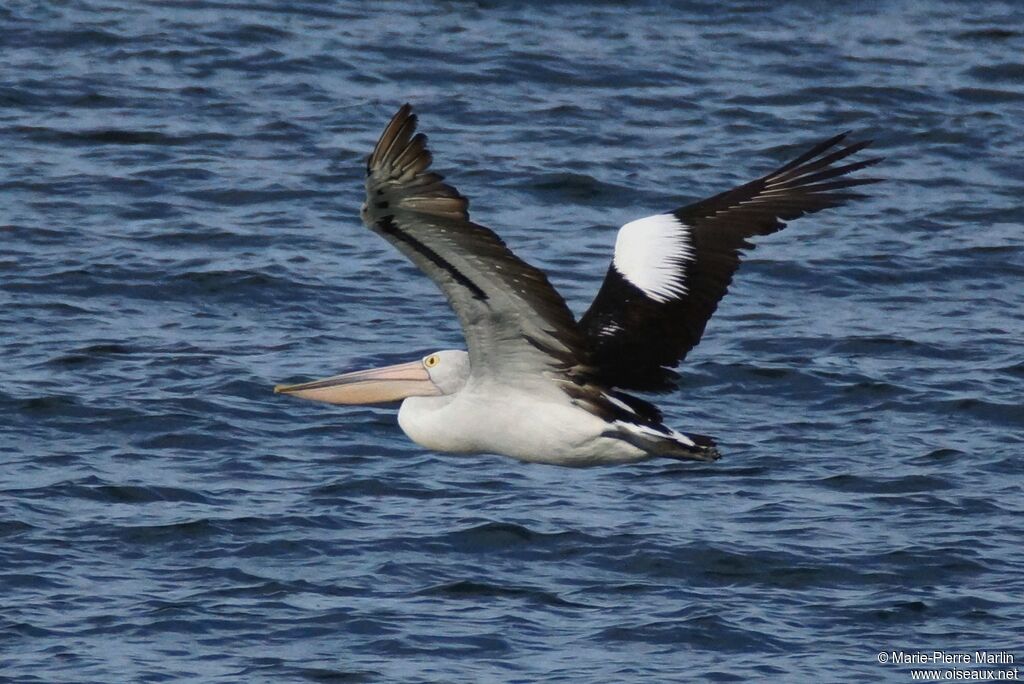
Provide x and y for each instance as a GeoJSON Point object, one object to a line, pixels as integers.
{"type": "Point", "coordinates": [391, 383]}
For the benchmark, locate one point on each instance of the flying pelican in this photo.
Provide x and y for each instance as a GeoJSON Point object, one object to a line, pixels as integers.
{"type": "Point", "coordinates": [536, 384]}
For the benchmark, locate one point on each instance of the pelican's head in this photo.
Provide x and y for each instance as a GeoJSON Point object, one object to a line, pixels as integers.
{"type": "Point", "coordinates": [443, 372]}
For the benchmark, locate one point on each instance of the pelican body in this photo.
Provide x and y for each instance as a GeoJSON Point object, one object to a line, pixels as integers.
{"type": "Point", "coordinates": [535, 384]}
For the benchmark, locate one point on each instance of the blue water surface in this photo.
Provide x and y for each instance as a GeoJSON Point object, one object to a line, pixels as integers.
{"type": "Point", "coordinates": [179, 195]}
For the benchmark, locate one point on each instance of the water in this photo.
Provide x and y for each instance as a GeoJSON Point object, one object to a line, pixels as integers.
{"type": "Point", "coordinates": [180, 185]}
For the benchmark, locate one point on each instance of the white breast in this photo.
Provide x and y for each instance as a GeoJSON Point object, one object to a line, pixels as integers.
{"type": "Point", "coordinates": [544, 427]}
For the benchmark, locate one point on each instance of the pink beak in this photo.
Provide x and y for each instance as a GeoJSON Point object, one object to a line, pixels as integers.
{"type": "Point", "coordinates": [379, 385]}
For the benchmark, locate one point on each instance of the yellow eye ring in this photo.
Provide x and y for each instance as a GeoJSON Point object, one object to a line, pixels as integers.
{"type": "Point", "coordinates": [431, 361]}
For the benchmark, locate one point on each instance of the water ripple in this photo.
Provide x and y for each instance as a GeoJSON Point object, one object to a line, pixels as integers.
{"type": "Point", "coordinates": [181, 184]}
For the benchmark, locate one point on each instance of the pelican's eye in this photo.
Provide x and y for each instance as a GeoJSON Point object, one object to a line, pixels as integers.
{"type": "Point", "coordinates": [431, 360]}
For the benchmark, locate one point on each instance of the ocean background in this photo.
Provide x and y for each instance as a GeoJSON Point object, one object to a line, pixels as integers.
{"type": "Point", "coordinates": [179, 194]}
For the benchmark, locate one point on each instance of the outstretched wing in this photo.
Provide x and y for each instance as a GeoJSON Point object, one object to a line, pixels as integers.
{"type": "Point", "coordinates": [670, 271]}
{"type": "Point", "coordinates": [513, 319]}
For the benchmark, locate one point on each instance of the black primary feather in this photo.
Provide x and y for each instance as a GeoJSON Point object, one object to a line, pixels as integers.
{"type": "Point", "coordinates": [636, 340]}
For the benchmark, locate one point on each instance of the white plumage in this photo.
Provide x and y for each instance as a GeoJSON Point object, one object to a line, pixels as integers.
{"type": "Point", "coordinates": [650, 252]}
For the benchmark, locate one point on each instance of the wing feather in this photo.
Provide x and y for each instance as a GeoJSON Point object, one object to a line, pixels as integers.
{"type": "Point", "coordinates": [514, 321]}
{"type": "Point", "coordinates": [655, 302]}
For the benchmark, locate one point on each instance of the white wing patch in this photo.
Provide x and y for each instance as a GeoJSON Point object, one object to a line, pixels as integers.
{"type": "Point", "coordinates": [651, 252]}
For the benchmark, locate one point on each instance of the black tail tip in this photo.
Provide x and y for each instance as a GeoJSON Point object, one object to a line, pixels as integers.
{"type": "Point", "coordinates": [695, 453]}
{"type": "Point", "coordinates": [703, 448]}
{"type": "Point", "coordinates": [709, 454]}
{"type": "Point", "coordinates": [701, 440]}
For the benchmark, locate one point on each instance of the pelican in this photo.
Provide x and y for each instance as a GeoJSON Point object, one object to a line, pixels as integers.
{"type": "Point", "coordinates": [535, 383]}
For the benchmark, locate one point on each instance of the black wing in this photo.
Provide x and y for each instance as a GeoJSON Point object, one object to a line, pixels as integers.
{"type": "Point", "coordinates": [671, 270]}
